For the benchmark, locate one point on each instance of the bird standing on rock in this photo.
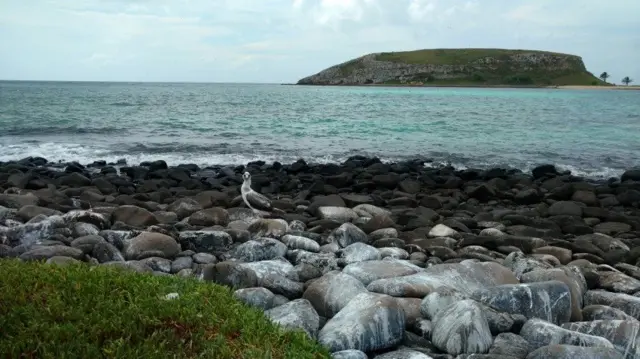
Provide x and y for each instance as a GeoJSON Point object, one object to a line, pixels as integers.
{"type": "Point", "coordinates": [258, 203]}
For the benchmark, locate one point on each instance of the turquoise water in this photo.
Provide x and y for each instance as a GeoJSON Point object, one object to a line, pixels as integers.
{"type": "Point", "coordinates": [592, 132]}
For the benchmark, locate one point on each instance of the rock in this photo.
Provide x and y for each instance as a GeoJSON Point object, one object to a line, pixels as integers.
{"type": "Point", "coordinates": [297, 314]}
{"type": "Point", "coordinates": [549, 300]}
{"type": "Point", "coordinates": [527, 196]}
{"type": "Point", "coordinates": [259, 297]}
{"type": "Point", "coordinates": [623, 334]}
{"type": "Point", "coordinates": [587, 197]}
{"type": "Point", "coordinates": [205, 241]}
{"type": "Point", "coordinates": [369, 271]}
{"type": "Point", "coordinates": [33, 233]}
{"type": "Point", "coordinates": [348, 234]}
{"type": "Point", "coordinates": [509, 344]}
{"type": "Point", "coordinates": [575, 282]}
{"type": "Point", "coordinates": [214, 216]}
{"type": "Point", "coordinates": [369, 322]}
{"type": "Point", "coordinates": [29, 211]}
{"type": "Point", "coordinates": [181, 263]}
{"type": "Point", "coordinates": [521, 264]}
{"type": "Point", "coordinates": [157, 244]}
{"type": "Point", "coordinates": [359, 252]}
{"type": "Point", "coordinates": [338, 214]}
{"type": "Point", "coordinates": [465, 277]}
{"type": "Point", "coordinates": [184, 207]}
{"type": "Point", "coordinates": [612, 228]}
{"type": "Point", "coordinates": [349, 354]}
{"type": "Point", "coordinates": [440, 230]}
{"type": "Point", "coordinates": [133, 216]}
{"type": "Point", "coordinates": [265, 268]}
{"type": "Point", "coordinates": [565, 208]}
{"type": "Point", "coordinates": [631, 175]}
{"type": "Point", "coordinates": [403, 354]}
{"type": "Point", "coordinates": [268, 228]}
{"type": "Point", "coordinates": [351, 199]}
{"type": "Point", "coordinates": [120, 239]}
{"type": "Point", "coordinates": [18, 201]}
{"type": "Point", "coordinates": [618, 282]}
{"type": "Point", "coordinates": [282, 285]}
{"type": "Point", "coordinates": [604, 312]}
{"type": "Point", "coordinates": [134, 266]}
{"type": "Point", "coordinates": [540, 333]}
{"type": "Point", "coordinates": [259, 250]}
{"type": "Point", "coordinates": [157, 264]}
{"type": "Point", "coordinates": [332, 292]}
{"type": "Point", "coordinates": [84, 229]}
{"type": "Point", "coordinates": [564, 255]}
{"type": "Point", "coordinates": [573, 351]}
{"type": "Point", "coordinates": [627, 303]}
{"type": "Point", "coordinates": [46, 252]}
{"type": "Point", "coordinates": [61, 261]}
{"type": "Point", "coordinates": [204, 258]}
{"type": "Point", "coordinates": [232, 274]}
{"type": "Point", "coordinates": [462, 328]}
{"type": "Point", "coordinates": [106, 252]}
{"type": "Point", "coordinates": [411, 308]}
{"type": "Point", "coordinates": [299, 242]}
{"type": "Point", "coordinates": [368, 210]}
{"type": "Point", "coordinates": [439, 300]}
{"type": "Point", "coordinates": [87, 243]}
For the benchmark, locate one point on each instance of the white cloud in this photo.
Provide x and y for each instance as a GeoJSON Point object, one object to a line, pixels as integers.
{"type": "Point", "coordinates": [284, 40]}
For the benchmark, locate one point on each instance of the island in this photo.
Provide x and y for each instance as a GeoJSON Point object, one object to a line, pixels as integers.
{"type": "Point", "coordinates": [459, 67]}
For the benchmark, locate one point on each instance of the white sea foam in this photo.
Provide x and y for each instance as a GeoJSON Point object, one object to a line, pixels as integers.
{"type": "Point", "coordinates": [66, 152]}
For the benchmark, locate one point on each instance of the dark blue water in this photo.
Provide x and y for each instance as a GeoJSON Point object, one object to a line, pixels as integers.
{"type": "Point", "coordinates": [592, 132]}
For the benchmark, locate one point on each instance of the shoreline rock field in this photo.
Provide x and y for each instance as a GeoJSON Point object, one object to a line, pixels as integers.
{"type": "Point", "coordinates": [373, 260]}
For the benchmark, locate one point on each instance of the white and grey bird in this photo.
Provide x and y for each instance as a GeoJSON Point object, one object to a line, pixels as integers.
{"type": "Point", "coordinates": [260, 204]}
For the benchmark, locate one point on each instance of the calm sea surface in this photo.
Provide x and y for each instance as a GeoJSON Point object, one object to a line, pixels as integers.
{"type": "Point", "coordinates": [595, 133]}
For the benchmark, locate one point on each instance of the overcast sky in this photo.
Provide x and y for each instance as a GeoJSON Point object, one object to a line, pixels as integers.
{"type": "Point", "coordinates": [284, 40]}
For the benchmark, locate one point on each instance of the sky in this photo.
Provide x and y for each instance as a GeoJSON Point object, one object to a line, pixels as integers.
{"type": "Point", "coordinates": [281, 41]}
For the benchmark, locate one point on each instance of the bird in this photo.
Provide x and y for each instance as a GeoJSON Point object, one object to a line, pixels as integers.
{"type": "Point", "coordinates": [258, 203]}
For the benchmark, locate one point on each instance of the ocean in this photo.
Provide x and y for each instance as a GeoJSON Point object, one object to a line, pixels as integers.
{"type": "Point", "coordinates": [593, 133]}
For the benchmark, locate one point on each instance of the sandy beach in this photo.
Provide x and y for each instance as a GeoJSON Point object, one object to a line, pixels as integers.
{"type": "Point", "coordinates": [578, 87]}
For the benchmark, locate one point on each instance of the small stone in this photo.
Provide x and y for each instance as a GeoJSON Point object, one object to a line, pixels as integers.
{"type": "Point", "coordinates": [46, 252]}
{"type": "Point", "coordinates": [157, 243]}
{"type": "Point", "coordinates": [259, 297]}
{"type": "Point", "coordinates": [297, 314]}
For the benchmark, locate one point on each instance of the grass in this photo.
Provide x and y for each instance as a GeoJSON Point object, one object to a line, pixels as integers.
{"type": "Point", "coordinates": [452, 56]}
{"type": "Point", "coordinates": [473, 73]}
{"type": "Point", "coordinates": [82, 311]}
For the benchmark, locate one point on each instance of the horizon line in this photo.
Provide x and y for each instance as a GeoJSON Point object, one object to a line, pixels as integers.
{"type": "Point", "coordinates": [154, 82]}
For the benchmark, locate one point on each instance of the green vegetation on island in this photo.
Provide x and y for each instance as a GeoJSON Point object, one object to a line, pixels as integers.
{"type": "Point", "coordinates": [82, 311]}
{"type": "Point", "coordinates": [459, 67]}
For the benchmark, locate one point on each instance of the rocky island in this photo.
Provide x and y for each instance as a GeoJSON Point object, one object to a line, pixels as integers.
{"type": "Point", "coordinates": [459, 67]}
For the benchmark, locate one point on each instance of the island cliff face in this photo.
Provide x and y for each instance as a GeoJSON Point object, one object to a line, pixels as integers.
{"type": "Point", "coordinates": [458, 66]}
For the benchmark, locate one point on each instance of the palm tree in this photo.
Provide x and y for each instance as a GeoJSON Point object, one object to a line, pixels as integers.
{"type": "Point", "coordinates": [604, 76]}
{"type": "Point", "coordinates": [627, 80]}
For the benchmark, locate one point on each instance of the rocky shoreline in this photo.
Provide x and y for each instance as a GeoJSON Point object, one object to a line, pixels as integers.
{"type": "Point", "coordinates": [373, 260]}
